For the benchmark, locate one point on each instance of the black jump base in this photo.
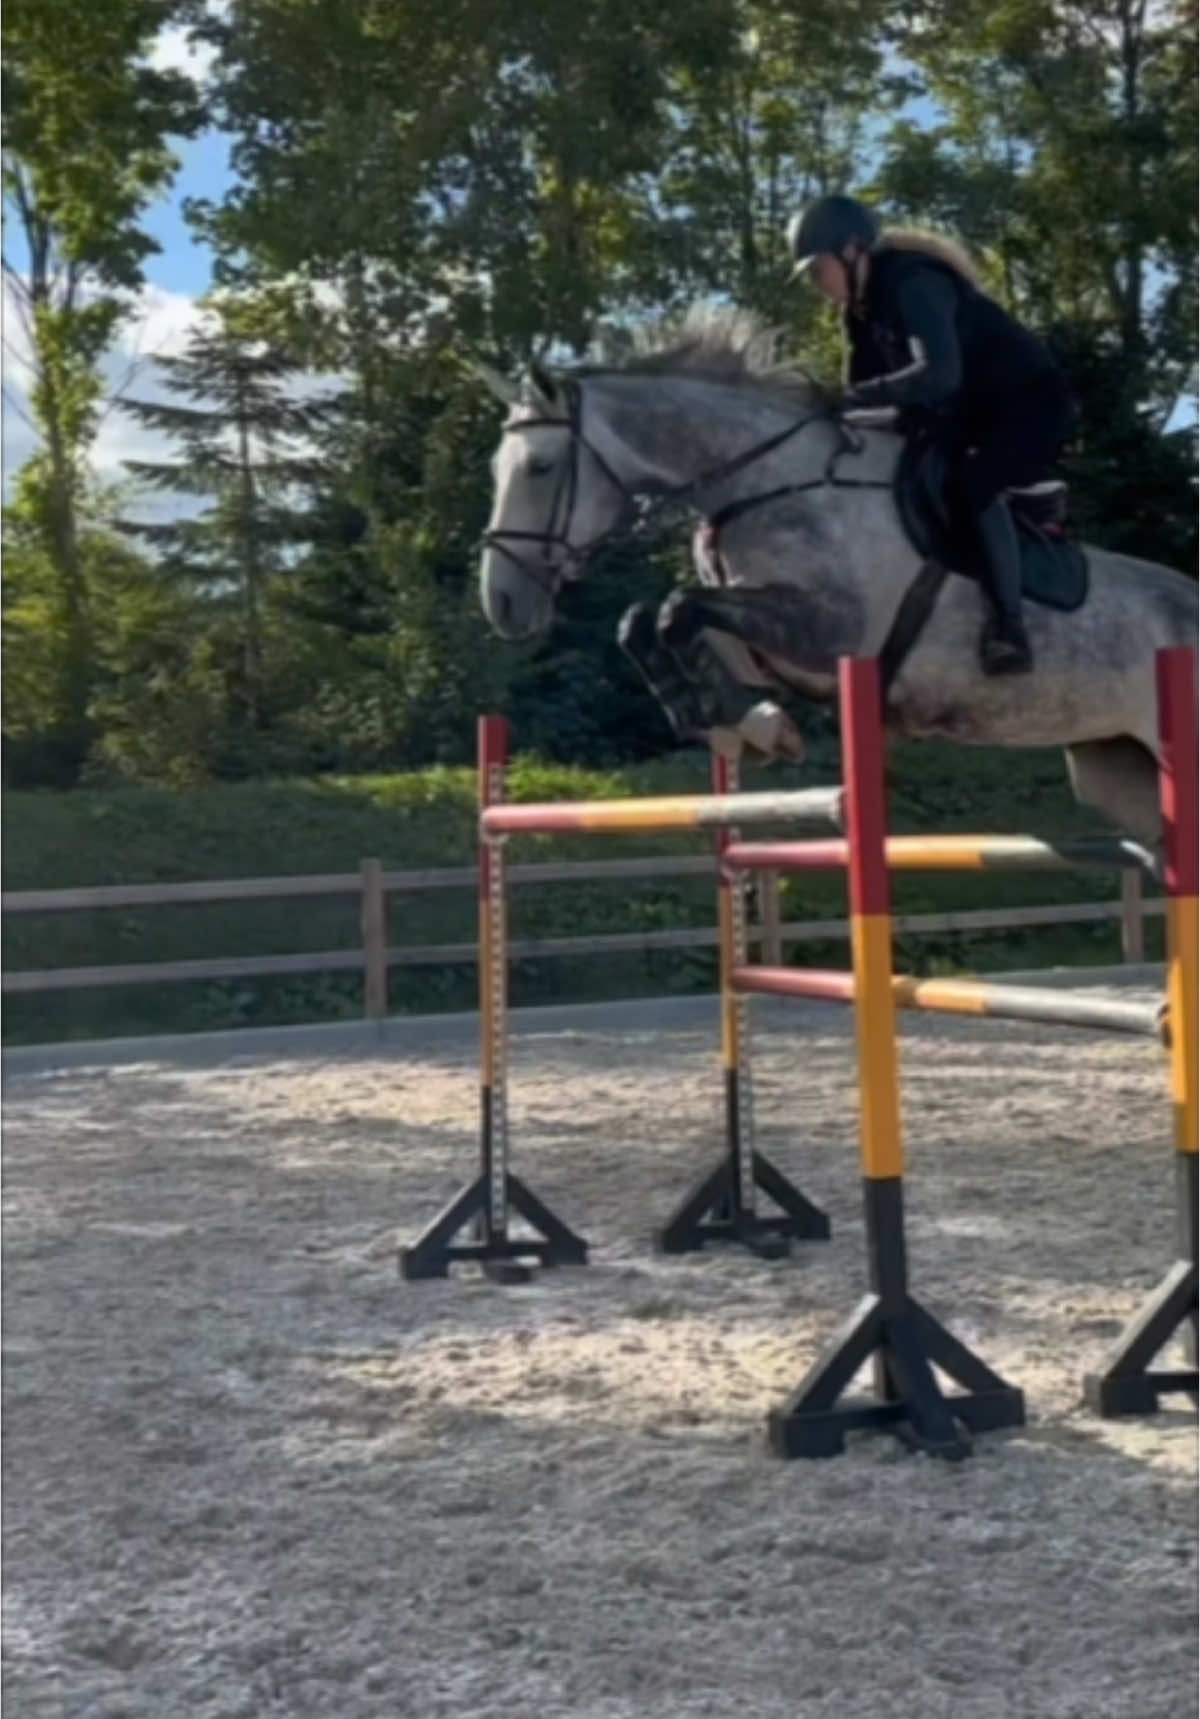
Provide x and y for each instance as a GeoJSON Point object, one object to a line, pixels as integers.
{"type": "Point", "coordinates": [713, 1212]}
{"type": "Point", "coordinates": [905, 1345]}
{"type": "Point", "coordinates": [503, 1257]}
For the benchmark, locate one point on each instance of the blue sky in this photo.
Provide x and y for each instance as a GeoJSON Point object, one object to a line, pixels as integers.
{"type": "Point", "coordinates": [183, 265]}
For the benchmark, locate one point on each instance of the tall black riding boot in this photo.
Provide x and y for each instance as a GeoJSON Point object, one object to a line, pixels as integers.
{"type": "Point", "coordinates": [1005, 647]}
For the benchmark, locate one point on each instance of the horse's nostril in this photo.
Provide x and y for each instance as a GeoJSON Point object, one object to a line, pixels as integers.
{"type": "Point", "coordinates": [504, 615]}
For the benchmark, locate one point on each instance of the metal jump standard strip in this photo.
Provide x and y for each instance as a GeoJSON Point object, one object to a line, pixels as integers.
{"type": "Point", "coordinates": [485, 1203]}
{"type": "Point", "coordinates": [723, 1206]}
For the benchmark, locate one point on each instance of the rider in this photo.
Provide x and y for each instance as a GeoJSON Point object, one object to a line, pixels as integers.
{"type": "Point", "coordinates": [922, 335]}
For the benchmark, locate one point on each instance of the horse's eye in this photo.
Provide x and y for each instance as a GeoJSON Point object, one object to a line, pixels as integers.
{"type": "Point", "coordinates": [540, 468]}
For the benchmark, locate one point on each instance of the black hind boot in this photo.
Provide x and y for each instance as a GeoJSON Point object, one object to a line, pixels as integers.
{"type": "Point", "coordinates": [1005, 647]}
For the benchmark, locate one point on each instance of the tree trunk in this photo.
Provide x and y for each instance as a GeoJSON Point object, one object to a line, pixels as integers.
{"type": "Point", "coordinates": [63, 543]}
{"type": "Point", "coordinates": [742, 132]}
{"type": "Point", "coordinates": [1133, 17]}
{"type": "Point", "coordinates": [60, 522]}
{"type": "Point", "coordinates": [251, 574]}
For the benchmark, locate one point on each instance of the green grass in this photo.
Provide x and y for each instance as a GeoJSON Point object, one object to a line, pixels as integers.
{"type": "Point", "coordinates": [427, 818]}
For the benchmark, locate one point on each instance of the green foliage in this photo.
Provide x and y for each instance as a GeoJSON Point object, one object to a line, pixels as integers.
{"type": "Point", "coordinates": [85, 127]}
{"type": "Point", "coordinates": [1044, 104]}
{"type": "Point", "coordinates": [137, 633]}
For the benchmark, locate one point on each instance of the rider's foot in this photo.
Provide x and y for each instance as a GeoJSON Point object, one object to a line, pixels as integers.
{"type": "Point", "coordinates": [1005, 647]}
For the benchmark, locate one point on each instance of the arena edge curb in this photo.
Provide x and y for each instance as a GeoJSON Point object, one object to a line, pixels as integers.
{"type": "Point", "coordinates": [430, 1032]}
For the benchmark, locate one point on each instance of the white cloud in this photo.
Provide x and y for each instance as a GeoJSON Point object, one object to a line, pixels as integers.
{"type": "Point", "coordinates": [173, 51]}
{"type": "Point", "coordinates": [157, 326]}
{"type": "Point", "coordinates": [19, 438]}
{"type": "Point", "coordinates": [18, 372]}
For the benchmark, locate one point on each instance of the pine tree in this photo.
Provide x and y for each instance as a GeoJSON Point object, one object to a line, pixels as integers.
{"type": "Point", "coordinates": [243, 439]}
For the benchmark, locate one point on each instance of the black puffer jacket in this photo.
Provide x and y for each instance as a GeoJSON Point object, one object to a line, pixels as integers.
{"type": "Point", "coordinates": [970, 358]}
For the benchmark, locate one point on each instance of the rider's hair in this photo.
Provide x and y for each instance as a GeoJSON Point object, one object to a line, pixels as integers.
{"type": "Point", "coordinates": [935, 245]}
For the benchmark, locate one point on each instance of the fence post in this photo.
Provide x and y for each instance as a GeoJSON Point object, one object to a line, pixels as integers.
{"type": "Point", "coordinates": [374, 936]}
{"type": "Point", "coordinates": [771, 947]}
{"type": "Point", "coordinates": [1133, 940]}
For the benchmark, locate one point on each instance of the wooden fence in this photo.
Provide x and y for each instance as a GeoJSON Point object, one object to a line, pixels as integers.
{"type": "Point", "coordinates": [372, 884]}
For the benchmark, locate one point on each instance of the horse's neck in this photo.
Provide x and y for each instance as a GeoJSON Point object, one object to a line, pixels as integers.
{"type": "Point", "coordinates": [665, 431]}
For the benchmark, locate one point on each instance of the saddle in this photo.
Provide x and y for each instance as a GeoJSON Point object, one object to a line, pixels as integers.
{"type": "Point", "coordinates": [1054, 567]}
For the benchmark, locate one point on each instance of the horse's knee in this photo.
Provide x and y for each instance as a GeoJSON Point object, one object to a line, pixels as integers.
{"type": "Point", "coordinates": [636, 629]}
{"type": "Point", "coordinates": [679, 620]}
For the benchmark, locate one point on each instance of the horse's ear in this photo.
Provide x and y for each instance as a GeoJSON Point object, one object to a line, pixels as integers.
{"type": "Point", "coordinates": [505, 390]}
{"type": "Point", "coordinates": [542, 382]}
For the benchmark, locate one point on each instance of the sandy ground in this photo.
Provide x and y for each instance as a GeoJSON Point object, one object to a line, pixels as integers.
{"type": "Point", "coordinates": [248, 1471]}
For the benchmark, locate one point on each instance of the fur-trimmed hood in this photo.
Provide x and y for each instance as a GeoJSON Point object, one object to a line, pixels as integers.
{"type": "Point", "coordinates": [935, 245]}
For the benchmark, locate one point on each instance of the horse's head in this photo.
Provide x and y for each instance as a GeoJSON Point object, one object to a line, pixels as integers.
{"type": "Point", "coordinates": [556, 498]}
{"type": "Point", "coordinates": [580, 453]}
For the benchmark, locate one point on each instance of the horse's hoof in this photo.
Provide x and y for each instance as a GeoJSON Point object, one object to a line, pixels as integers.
{"type": "Point", "coordinates": [768, 730]}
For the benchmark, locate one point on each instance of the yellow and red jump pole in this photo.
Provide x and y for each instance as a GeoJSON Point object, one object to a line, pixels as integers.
{"type": "Point", "coordinates": [889, 1328]}
{"type": "Point", "coordinates": [965, 997]}
{"type": "Point", "coordinates": [1128, 1382]}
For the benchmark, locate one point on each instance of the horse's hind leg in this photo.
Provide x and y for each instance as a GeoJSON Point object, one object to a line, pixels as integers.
{"type": "Point", "coordinates": [1119, 777]}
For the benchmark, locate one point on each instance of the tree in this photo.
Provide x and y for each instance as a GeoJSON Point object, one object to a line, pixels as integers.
{"type": "Point", "coordinates": [144, 680]}
{"type": "Point", "coordinates": [1067, 149]}
{"type": "Point", "coordinates": [782, 118]}
{"type": "Point", "coordinates": [85, 125]}
{"type": "Point", "coordinates": [1064, 151]}
{"type": "Point", "coordinates": [244, 443]}
{"type": "Point", "coordinates": [418, 184]}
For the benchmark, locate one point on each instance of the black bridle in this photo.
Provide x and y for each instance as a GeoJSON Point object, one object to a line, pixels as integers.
{"type": "Point", "coordinates": [562, 504]}
{"type": "Point", "coordinates": [637, 510]}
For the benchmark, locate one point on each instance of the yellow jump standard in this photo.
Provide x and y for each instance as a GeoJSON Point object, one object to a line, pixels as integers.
{"type": "Point", "coordinates": [903, 1341]}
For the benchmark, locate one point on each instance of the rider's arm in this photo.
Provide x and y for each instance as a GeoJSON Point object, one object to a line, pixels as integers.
{"type": "Point", "coordinates": [862, 360]}
{"type": "Point", "coordinates": [927, 303]}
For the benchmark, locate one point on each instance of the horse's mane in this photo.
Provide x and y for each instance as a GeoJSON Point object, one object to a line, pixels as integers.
{"type": "Point", "coordinates": [712, 343]}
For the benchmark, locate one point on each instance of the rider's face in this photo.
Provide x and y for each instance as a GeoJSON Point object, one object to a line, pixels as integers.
{"type": "Point", "coordinates": [830, 275]}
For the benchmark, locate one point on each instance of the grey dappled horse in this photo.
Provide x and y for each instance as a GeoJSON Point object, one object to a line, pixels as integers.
{"type": "Point", "coordinates": [808, 575]}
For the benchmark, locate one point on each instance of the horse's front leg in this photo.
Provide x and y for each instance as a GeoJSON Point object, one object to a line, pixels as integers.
{"type": "Point", "coordinates": [637, 635]}
{"type": "Point", "coordinates": [704, 631]}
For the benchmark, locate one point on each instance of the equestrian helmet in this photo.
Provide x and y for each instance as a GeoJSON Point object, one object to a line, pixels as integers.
{"type": "Point", "coordinates": [826, 228]}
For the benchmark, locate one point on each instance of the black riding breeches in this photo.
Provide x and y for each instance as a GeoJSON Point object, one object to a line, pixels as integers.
{"type": "Point", "coordinates": [1016, 445]}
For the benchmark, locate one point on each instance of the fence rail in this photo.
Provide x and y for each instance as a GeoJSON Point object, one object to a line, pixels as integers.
{"type": "Point", "coordinates": [372, 884]}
